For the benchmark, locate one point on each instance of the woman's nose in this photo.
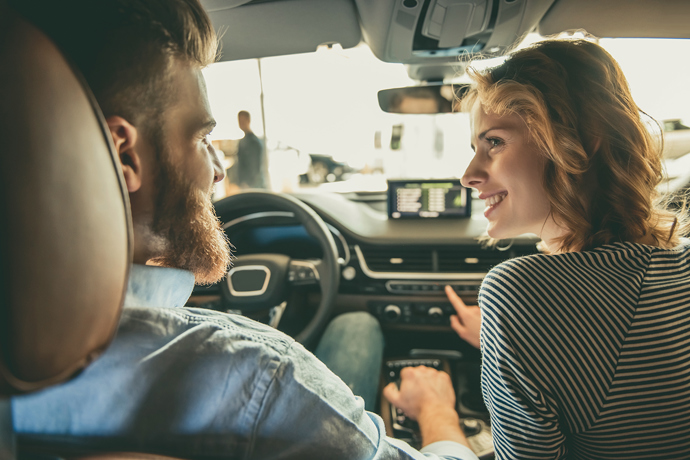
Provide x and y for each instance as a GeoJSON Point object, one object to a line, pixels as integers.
{"type": "Point", "coordinates": [475, 174]}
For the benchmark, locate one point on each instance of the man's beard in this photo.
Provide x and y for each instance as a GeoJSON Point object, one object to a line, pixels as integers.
{"type": "Point", "coordinates": [186, 223]}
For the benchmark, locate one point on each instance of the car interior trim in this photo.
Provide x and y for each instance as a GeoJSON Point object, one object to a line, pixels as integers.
{"type": "Point", "coordinates": [346, 249]}
{"type": "Point", "coordinates": [414, 276]}
{"type": "Point", "coordinates": [429, 287]}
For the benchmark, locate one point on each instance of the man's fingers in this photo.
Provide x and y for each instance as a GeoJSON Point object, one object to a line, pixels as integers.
{"type": "Point", "coordinates": [409, 371]}
{"type": "Point", "coordinates": [391, 393]}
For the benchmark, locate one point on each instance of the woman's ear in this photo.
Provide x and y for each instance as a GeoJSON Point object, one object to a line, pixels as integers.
{"type": "Point", "coordinates": [124, 136]}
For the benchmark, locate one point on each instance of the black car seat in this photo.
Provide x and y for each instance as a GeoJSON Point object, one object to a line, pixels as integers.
{"type": "Point", "coordinates": [65, 230]}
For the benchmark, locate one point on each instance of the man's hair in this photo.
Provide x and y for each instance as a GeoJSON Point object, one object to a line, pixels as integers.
{"type": "Point", "coordinates": [128, 52]}
{"type": "Point", "coordinates": [603, 165]}
{"type": "Point", "coordinates": [126, 48]}
{"type": "Point", "coordinates": [244, 114]}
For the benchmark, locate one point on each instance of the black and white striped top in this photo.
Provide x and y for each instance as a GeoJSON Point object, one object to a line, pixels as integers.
{"type": "Point", "coordinates": [586, 355]}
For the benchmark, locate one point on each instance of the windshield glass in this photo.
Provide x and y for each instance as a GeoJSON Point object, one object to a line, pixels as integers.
{"type": "Point", "coordinates": [318, 117]}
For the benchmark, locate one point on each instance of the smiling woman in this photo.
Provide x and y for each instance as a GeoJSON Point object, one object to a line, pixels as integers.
{"type": "Point", "coordinates": [577, 346]}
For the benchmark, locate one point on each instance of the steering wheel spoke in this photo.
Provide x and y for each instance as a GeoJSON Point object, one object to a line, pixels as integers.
{"type": "Point", "coordinates": [276, 314]}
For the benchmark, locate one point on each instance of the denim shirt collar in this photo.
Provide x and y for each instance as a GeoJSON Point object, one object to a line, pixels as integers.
{"type": "Point", "coordinates": [158, 286]}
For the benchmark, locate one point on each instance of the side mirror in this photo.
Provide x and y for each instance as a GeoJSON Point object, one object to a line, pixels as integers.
{"type": "Point", "coordinates": [430, 98]}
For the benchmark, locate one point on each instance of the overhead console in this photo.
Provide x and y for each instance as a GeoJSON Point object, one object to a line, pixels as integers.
{"type": "Point", "coordinates": [436, 31]}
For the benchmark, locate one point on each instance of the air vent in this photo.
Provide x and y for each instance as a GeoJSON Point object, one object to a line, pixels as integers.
{"type": "Point", "coordinates": [449, 260]}
{"type": "Point", "coordinates": [461, 260]}
{"type": "Point", "coordinates": [398, 259]}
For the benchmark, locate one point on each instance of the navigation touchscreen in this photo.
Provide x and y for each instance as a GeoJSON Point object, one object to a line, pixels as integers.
{"type": "Point", "coordinates": [428, 199]}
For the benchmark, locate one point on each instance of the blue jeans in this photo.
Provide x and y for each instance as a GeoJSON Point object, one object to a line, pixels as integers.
{"type": "Point", "coordinates": [352, 347]}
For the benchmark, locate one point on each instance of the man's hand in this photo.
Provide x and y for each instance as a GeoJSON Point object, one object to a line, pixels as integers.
{"type": "Point", "coordinates": [427, 396]}
{"type": "Point", "coordinates": [468, 320]}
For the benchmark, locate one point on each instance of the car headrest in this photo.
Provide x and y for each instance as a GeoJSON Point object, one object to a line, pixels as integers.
{"type": "Point", "coordinates": [65, 227]}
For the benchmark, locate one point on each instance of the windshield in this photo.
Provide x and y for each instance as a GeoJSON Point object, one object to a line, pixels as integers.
{"type": "Point", "coordinates": [318, 116]}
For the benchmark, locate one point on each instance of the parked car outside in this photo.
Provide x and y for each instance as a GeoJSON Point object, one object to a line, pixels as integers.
{"type": "Point", "coordinates": [324, 168]}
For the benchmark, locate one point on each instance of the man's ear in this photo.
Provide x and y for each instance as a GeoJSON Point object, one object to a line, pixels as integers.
{"type": "Point", "coordinates": [125, 136]}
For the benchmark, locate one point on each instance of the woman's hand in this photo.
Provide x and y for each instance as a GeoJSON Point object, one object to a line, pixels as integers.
{"type": "Point", "coordinates": [468, 320]}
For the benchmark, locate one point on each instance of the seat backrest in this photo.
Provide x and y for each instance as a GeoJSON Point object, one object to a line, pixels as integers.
{"type": "Point", "coordinates": [65, 229]}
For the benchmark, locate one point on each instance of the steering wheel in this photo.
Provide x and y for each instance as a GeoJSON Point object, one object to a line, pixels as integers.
{"type": "Point", "coordinates": [260, 281]}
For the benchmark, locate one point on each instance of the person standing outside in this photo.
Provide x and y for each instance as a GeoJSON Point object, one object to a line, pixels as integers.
{"type": "Point", "coordinates": [251, 164]}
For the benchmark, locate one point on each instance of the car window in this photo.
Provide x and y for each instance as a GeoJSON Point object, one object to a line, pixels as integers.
{"type": "Point", "coordinates": [324, 131]}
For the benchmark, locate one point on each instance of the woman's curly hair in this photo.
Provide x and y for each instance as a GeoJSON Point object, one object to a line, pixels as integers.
{"type": "Point", "coordinates": [603, 164]}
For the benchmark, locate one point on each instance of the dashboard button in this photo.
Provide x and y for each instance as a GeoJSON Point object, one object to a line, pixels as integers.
{"type": "Point", "coordinates": [392, 312]}
{"type": "Point", "coordinates": [349, 273]}
{"type": "Point", "coordinates": [435, 312]}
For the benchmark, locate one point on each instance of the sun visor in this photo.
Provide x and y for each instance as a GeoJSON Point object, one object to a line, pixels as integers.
{"type": "Point", "coordinates": [273, 28]}
{"type": "Point", "coordinates": [417, 31]}
{"type": "Point", "coordinates": [619, 18]}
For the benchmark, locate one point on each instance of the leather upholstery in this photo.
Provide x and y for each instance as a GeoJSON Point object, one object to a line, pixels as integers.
{"type": "Point", "coordinates": [64, 216]}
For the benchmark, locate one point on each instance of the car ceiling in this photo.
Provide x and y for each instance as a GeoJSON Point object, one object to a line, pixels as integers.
{"type": "Point", "coordinates": [429, 32]}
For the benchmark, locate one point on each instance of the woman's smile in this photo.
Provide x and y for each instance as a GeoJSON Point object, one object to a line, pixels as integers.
{"type": "Point", "coordinates": [493, 202]}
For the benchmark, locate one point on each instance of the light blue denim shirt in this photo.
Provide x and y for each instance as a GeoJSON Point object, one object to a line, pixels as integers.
{"type": "Point", "coordinates": [202, 383]}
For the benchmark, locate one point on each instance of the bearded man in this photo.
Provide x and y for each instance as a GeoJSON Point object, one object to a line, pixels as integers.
{"type": "Point", "coordinates": [191, 382]}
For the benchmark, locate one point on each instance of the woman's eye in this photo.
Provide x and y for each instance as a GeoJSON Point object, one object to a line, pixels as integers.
{"type": "Point", "coordinates": [493, 141]}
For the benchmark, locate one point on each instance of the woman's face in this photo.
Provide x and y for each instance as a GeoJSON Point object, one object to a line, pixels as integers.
{"type": "Point", "coordinates": [507, 171]}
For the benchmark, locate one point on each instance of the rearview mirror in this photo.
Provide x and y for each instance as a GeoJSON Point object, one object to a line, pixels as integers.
{"type": "Point", "coordinates": [427, 99]}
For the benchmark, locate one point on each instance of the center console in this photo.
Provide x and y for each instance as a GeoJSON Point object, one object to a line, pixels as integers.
{"type": "Point", "coordinates": [474, 417]}
{"type": "Point", "coordinates": [435, 311]}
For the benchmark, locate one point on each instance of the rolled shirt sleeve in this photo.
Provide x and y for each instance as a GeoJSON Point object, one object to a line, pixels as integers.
{"type": "Point", "coordinates": [203, 383]}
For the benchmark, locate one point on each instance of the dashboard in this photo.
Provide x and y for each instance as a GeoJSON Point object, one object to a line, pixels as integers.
{"type": "Point", "coordinates": [394, 268]}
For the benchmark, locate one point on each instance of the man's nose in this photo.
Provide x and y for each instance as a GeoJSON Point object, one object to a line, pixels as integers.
{"type": "Point", "coordinates": [218, 170]}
